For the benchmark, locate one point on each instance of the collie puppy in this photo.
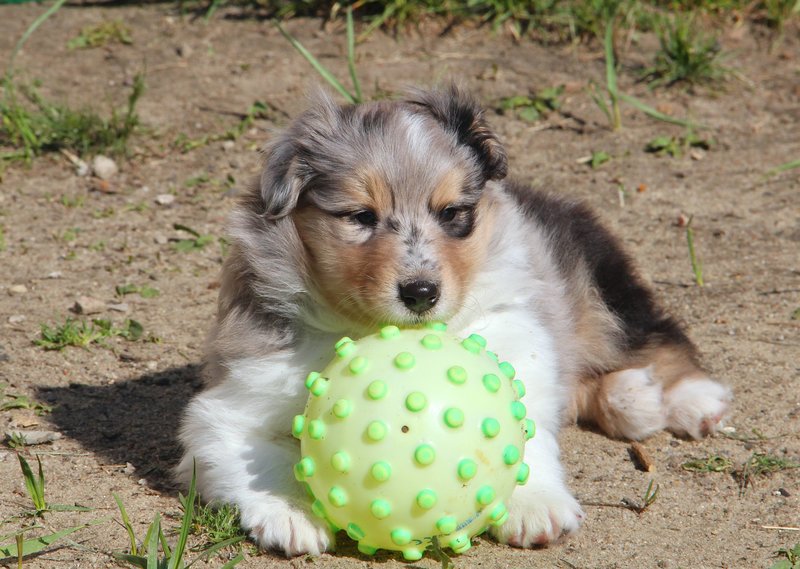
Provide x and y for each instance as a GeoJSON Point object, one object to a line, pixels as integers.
{"type": "Point", "coordinates": [399, 212]}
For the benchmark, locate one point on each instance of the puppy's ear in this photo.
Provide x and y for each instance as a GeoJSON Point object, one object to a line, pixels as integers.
{"type": "Point", "coordinates": [461, 115]}
{"type": "Point", "coordinates": [287, 170]}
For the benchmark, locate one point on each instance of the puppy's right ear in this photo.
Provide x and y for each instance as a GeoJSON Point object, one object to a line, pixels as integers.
{"type": "Point", "coordinates": [289, 161]}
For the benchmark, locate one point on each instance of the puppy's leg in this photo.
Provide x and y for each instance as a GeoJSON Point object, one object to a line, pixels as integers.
{"type": "Point", "coordinates": [663, 388]}
{"type": "Point", "coordinates": [543, 509]}
{"type": "Point", "coordinates": [238, 436]}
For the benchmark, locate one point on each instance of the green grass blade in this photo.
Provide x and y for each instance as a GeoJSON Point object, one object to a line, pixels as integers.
{"type": "Point", "coordinates": [351, 55]}
{"type": "Point", "coordinates": [651, 112]}
{"type": "Point", "coordinates": [783, 168]}
{"type": "Point", "coordinates": [35, 487]}
{"type": "Point", "coordinates": [327, 75]}
{"type": "Point", "coordinates": [135, 560]}
{"type": "Point", "coordinates": [32, 28]}
{"type": "Point", "coordinates": [186, 525]}
{"type": "Point", "coordinates": [611, 73]}
{"type": "Point", "coordinates": [151, 546]}
{"type": "Point", "coordinates": [207, 553]}
{"type": "Point", "coordinates": [127, 523]}
{"type": "Point", "coordinates": [697, 268]}
{"type": "Point", "coordinates": [36, 544]}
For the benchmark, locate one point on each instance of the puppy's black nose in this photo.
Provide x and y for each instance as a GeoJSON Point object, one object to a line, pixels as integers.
{"type": "Point", "coordinates": [419, 296]}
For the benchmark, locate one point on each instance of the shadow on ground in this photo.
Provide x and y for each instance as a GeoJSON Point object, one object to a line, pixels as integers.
{"type": "Point", "coordinates": [132, 421]}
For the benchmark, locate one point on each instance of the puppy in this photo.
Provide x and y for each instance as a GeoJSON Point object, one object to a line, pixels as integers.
{"type": "Point", "coordinates": [400, 213]}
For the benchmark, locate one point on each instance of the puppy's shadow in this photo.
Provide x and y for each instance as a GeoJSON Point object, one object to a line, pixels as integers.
{"type": "Point", "coordinates": [134, 421]}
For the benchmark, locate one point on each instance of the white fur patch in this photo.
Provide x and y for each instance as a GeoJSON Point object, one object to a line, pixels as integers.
{"type": "Point", "coordinates": [696, 407]}
{"type": "Point", "coordinates": [635, 403]}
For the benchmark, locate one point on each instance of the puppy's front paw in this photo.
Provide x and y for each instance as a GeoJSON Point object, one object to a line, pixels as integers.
{"type": "Point", "coordinates": [696, 407]}
{"type": "Point", "coordinates": [287, 530]}
{"type": "Point", "coordinates": [539, 517]}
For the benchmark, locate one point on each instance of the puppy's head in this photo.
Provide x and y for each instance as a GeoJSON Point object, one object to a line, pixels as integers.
{"type": "Point", "coordinates": [390, 201]}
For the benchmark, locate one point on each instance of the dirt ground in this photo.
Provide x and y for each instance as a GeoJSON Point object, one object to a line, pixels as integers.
{"type": "Point", "coordinates": [118, 409]}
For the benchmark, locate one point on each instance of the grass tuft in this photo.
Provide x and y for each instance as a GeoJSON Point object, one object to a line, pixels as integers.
{"type": "Point", "coordinates": [81, 334]}
{"type": "Point", "coordinates": [99, 35]}
{"type": "Point", "coordinates": [713, 463]}
{"type": "Point", "coordinates": [686, 54]}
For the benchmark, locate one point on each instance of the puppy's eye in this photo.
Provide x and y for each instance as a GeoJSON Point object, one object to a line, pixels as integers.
{"type": "Point", "coordinates": [448, 214]}
{"type": "Point", "coordinates": [457, 220]}
{"type": "Point", "coordinates": [365, 218]}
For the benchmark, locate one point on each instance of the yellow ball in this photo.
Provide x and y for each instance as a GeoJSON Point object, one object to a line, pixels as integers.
{"type": "Point", "coordinates": [410, 435]}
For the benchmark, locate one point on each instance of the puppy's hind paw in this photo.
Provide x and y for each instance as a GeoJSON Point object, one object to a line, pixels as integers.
{"type": "Point", "coordinates": [696, 407]}
{"type": "Point", "coordinates": [290, 532]}
{"type": "Point", "coordinates": [540, 519]}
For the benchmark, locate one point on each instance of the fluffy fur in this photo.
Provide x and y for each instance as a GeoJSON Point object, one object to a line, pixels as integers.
{"type": "Point", "coordinates": [399, 212]}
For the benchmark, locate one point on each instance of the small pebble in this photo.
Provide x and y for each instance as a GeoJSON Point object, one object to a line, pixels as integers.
{"type": "Point", "coordinates": [119, 307]}
{"type": "Point", "coordinates": [54, 275]}
{"type": "Point", "coordinates": [165, 199]}
{"type": "Point", "coordinates": [17, 289]}
{"type": "Point", "coordinates": [16, 318]}
{"type": "Point", "coordinates": [129, 468]}
{"type": "Point", "coordinates": [160, 239]}
{"type": "Point", "coordinates": [33, 437]}
{"type": "Point", "coordinates": [104, 167]}
{"type": "Point", "coordinates": [88, 305]}
{"type": "Point", "coordinates": [228, 145]}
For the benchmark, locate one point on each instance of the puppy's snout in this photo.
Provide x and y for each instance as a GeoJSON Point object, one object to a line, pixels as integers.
{"type": "Point", "coordinates": [419, 296]}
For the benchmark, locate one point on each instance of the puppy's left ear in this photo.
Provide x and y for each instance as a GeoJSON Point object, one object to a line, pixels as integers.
{"type": "Point", "coordinates": [461, 115]}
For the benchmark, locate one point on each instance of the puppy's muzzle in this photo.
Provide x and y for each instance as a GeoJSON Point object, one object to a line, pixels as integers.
{"type": "Point", "coordinates": [419, 296]}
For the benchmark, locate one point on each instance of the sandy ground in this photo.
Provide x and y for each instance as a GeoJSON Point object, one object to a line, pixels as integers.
{"type": "Point", "coordinates": [118, 408]}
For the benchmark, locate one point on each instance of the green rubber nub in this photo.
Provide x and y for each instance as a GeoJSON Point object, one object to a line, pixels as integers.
{"type": "Point", "coordinates": [523, 473]}
{"type": "Point", "coordinates": [485, 495]}
{"type": "Point", "coordinates": [507, 369]}
{"type": "Point", "coordinates": [518, 410]}
{"type": "Point", "coordinates": [341, 462]}
{"type": "Point", "coordinates": [298, 424]}
{"type": "Point", "coordinates": [478, 339]}
{"type": "Point", "coordinates": [342, 408]}
{"type": "Point", "coordinates": [380, 508]}
{"type": "Point", "coordinates": [438, 326]}
{"type": "Point", "coordinates": [400, 536]}
{"type": "Point", "coordinates": [358, 365]}
{"type": "Point", "coordinates": [491, 382]}
{"type": "Point", "coordinates": [319, 386]}
{"type": "Point", "coordinates": [305, 468]}
{"type": "Point", "coordinates": [416, 401]}
{"type": "Point", "coordinates": [345, 349]}
{"type": "Point", "coordinates": [519, 387]}
{"type": "Point", "coordinates": [467, 469]}
{"type": "Point", "coordinates": [367, 549]}
{"type": "Point", "coordinates": [490, 427]}
{"type": "Point", "coordinates": [404, 361]}
{"type": "Point", "coordinates": [316, 429]}
{"type": "Point", "coordinates": [460, 543]}
{"type": "Point", "coordinates": [426, 499]}
{"type": "Point", "coordinates": [381, 471]}
{"type": "Point", "coordinates": [431, 342]}
{"type": "Point", "coordinates": [446, 525]}
{"type": "Point", "coordinates": [337, 496]}
{"type": "Point", "coordinates": [499, 514]}
{"type": "Point", "coordinates": [376, 430]}
{"type": "Point", "coordinates": [377, 389]}
{"type": "Point", "coordinates": [354, 532]}
{"type": "Point", "coordinates": [454, 417]}
{"type": "Point", "coordinates": [457, 375]}
{"type": "Point", "coordinates": [412, 554]}
{"type": "Point", "coordinates": [342, 341]}
{"type": "Point", "coordinates": [389, 332]}
{"type": "Point", "coordinates": [471, 345]}
{"type": "Point", "coordinates": [318, 509]}
{"type": "Point", "coordinates": [511, 455]}
{"type": "Point", "coordinates": [530, 429]}
{"type": "Point", "coordinates": [424, 454]}
{"type": "Point", "coordinates": [310, 378]}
